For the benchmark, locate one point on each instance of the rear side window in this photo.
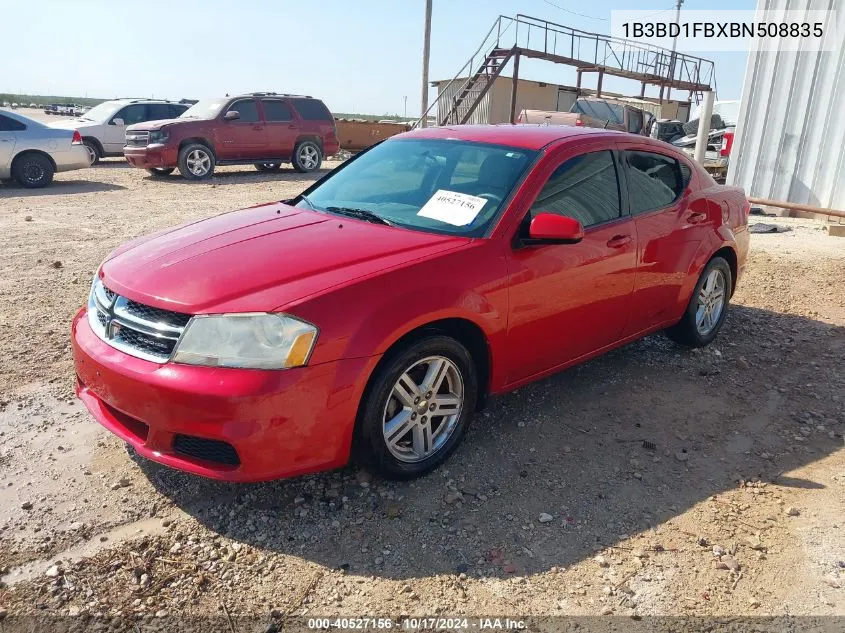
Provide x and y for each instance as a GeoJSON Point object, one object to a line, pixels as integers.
{"type": "Point", "coordinates": [275, 110]}
{"type": "Point", "coordinates": [635, 121]}
{"type": "Point", "coordinates": [158, 111]}
{"type": "Point", "coordinates": [247, 108]}
{"type": "Point", "coordinates": [312, 109]}
{"type": "Point", "coordinates": [584, 187]}
{"type": "Point", "coordinates": [654, 181]}
{"type": "Point", "coordinates": [8, 124]}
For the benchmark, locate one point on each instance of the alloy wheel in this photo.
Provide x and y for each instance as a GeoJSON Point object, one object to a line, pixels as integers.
{"type": "Point", "coordinates": [92, 154]}
{"type": "Point", "coordinates": [423, 409]}
{"type": "Point", "coordinates": [711, 302]}
{"type": "Point", "coordinates": [199, 162]}
{"type": "Point", "coordinates": [308, 156]}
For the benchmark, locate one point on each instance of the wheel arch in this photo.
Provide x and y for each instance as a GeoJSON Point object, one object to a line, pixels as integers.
{"type": "Point", "coordinates": [197, 139]}
{"type": "Point", "coordinates": [311, 137]}
{"type": "Point", "coordinates": [466, 332]}
{"type": "Point", "coordinates": [729, 255]}
{"type": "Point", "coordinates": [96, 143]}
{"type": "Point", "coordinates": [24, 152]}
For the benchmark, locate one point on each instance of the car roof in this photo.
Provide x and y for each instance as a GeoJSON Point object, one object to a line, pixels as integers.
{"type": "Point", "coordinates": [523, 135]}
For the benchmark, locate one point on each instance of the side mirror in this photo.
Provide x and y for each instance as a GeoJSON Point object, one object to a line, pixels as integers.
{"type": "Point", "coordinates": [117, 121]}
{"type": "Point", "coordinates": [551, 228]}
{"type": "Point", "coordinates": [232, 115]}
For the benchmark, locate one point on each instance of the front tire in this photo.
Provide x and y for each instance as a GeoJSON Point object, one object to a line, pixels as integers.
{"type": "Point", "coordinates": [33, 171]}
{"type": "Point", "coordinates": [196, 161]}
{"type": "Point", "coordinates": [417, 408]}
{"type": "Point", "coordinates": [707, 307]}
{"type": "Point", "coordinates": [307, 157]}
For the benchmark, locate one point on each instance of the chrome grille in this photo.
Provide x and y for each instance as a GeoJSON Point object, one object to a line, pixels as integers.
{"type": "Point", "coordinates": [137, 329]}
{"type": "Point", "coordinates": [137, 139]}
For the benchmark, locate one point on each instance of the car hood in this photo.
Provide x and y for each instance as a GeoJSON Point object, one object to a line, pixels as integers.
{"type": "Point", "coordinates": [71, 124]}
{"type": "Point", "coordinates": [157, 125]}
{"type": "Point", "coordinates": [259, 259]}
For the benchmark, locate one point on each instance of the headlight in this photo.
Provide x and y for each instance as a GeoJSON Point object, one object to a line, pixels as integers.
{"type": "Point", "coordinates": [158, 136]}
{"type": "Point", "coordinates": [256, 341]}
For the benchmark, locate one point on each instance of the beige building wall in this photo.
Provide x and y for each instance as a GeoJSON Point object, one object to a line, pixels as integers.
{"type": "Point", "coordinates": [530, 95]}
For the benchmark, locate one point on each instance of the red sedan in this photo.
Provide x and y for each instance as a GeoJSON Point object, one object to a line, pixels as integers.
{"type": "Point", "coordinates": [373, 314]}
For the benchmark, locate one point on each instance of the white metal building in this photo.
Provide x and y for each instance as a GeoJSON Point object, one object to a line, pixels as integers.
{"type": "Point", "coordinates": [790, 139]}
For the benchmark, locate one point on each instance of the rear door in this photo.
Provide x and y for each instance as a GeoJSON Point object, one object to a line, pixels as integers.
{"type": "Point", "coordinates": [9, 129]}
{"type": "Point", "coordinates": [244, 138]}
{"type": "Point", "coordinates": [282, 128]}
{"type": "Point", "coordinates": [668, 232]}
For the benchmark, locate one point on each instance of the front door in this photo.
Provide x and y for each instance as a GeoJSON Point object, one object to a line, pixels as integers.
{"type": "Point", "coordinates": [567, 300]}
{"type": "Point", "coordinates": [244, 138]}
{"type": "Point", "coordinates": [114, 133]}
{"type": "Point", "coordinates": [282, 129]}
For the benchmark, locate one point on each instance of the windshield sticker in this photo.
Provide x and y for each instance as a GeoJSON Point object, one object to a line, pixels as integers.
{"type": "Point", "coordinates": [457, 209]}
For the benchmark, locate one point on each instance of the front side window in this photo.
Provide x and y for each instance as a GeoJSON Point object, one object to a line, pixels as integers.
{"type": "Point", "coordinates": [585, 188]}
{"type": "Point", "coordinates": [135, 113]}
{"type": "Point", "coordinates": [654, 181]}
{"type": "Point", "coordinates": [436, 185]}
{"type": "Point", "coordinates": [248, 110]}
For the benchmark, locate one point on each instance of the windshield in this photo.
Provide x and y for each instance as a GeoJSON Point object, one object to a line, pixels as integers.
{"type": "Point", "coordinates": [601, 110]}
{"type": "Point", "coordinates": [441, 186]}
{"type": "Point", "coordinates": [204, 109]}
{"type": "Point", "coordinates": [101, 112]}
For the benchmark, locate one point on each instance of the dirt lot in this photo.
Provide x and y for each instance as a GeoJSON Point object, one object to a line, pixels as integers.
{"type": "Point", "coordinates": [678, 483]}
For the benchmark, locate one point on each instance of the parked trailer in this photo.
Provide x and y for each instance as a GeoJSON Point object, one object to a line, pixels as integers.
{"type": "Point", "coordinates": [355, 135]}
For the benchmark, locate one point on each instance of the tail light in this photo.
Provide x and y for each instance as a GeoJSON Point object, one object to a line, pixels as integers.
{"type": "Point", "coordinates": [77, 138]}
{"type": "Point", "coordinates": [579, 122]}
{"type": "Point", "coordinates": [727, 143]}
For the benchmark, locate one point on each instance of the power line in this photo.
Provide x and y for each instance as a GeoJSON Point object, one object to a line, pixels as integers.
{"type": "Point", "coordinates": [583, 15]}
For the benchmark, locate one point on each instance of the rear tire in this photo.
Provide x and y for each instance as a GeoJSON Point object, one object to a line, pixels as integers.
{"type": "Point", "coordinates": [268, 166]}
{"type": "Point", "coordinates": [307, 157]}
{"type": "Point", "coordinates": [33, 171]}
{"type": "Point", "coordinates": [707, 307]}
{"type": "Point", "coordinates": [160, 172]}
{"type": "Point", "coordinates": [93, 152]}
{"type": "Point", "coordinates": [196, 161]}
{"type": "Point", "coordinates": [406, 429]}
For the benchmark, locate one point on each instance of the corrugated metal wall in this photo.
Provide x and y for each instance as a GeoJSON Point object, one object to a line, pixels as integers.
{"type": "Point", "coordinates": [445, 98]}
{"type": "Point", "coordinates": [790, 141]}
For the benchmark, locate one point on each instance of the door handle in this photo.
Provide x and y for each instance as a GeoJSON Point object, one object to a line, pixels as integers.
{"type": "Point", "coordinates": [618, 241]}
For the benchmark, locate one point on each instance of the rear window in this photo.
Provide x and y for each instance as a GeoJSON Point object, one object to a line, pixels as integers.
{"type": "Point", "coordinates": [312, 109]}
{"type": "Point", "coordinates": [8, 124]}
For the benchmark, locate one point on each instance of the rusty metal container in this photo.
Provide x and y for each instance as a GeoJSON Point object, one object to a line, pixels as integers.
{"type": "Point", "coordinates": [355, 135]}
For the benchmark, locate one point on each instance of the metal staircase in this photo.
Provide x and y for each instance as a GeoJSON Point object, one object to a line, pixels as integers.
{"type": "Point", "coordinates": [522, 35]}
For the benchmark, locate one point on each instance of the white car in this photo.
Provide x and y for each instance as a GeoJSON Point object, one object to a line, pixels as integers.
{"type": "Point", "coordinates": [31, 152]}
{"type": "Point", "coordinates": [103, 127]}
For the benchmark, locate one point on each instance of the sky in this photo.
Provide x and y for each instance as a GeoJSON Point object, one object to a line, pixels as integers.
{"type": "Point", "coordinates": [359, 57]}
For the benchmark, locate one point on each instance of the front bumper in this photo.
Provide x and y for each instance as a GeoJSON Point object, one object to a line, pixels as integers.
{"type": "Point", "coordinates": [151, 156]}
{"type": "Point", "coordinates": [279, 423]}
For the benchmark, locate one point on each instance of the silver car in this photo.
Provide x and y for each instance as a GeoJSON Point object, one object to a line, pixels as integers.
{"type": "Point", "coordinates": [31, 152]}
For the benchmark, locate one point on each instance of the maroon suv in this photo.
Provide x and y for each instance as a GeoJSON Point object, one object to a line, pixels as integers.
{"type": "Point", "coordinates": [263, 128]}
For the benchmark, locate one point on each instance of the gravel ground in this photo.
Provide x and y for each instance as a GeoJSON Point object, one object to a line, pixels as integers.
{"type": "Point", "coordinates": [651, 481]}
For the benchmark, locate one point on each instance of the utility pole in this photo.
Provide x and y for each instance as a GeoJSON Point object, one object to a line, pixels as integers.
{"type": "Point", "coordinates": [674, 46]}
{"type": "Point", "coordinates": [426, 50]}
{"type": "Point", "coordinates": [405, 116]}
